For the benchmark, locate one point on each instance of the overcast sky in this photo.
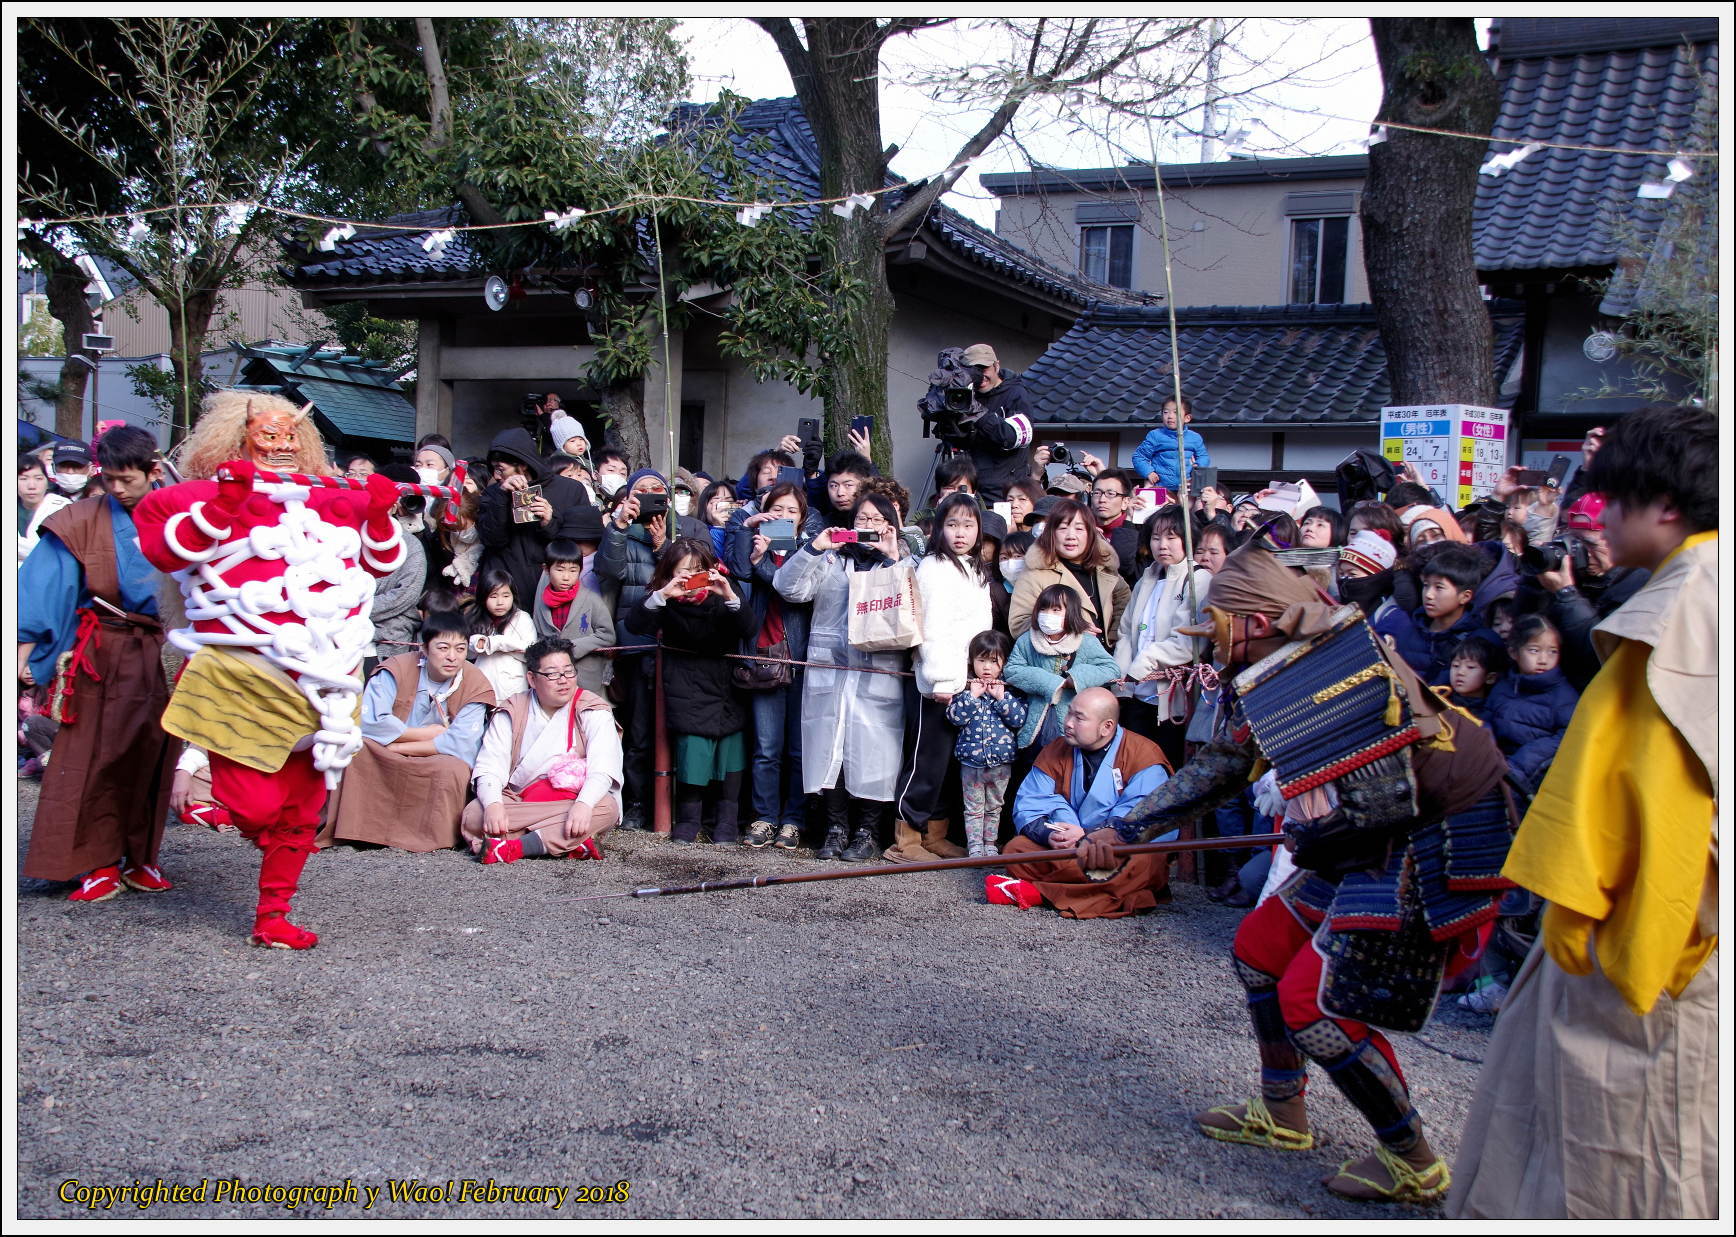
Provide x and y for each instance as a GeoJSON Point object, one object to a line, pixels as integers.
{"type": "Point", "coordinates": [1324, 109]}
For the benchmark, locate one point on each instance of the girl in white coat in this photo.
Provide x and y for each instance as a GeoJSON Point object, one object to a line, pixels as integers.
{"type": "Point", "coordinates": [1169, 594]}
{"type": "Point", "coordinates": [954, 587]}
{"type": "Point", "coordinates": [853, 723]}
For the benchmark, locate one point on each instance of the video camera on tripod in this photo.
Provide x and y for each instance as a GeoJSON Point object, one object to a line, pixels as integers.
{"type": "Point", "coordinates": [950, 407]}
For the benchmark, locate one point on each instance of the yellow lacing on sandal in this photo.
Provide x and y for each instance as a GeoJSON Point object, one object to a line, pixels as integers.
{"type": "Point", "coordinates": [1257, 1128]}
{"type": "Point", "coordinates": [1408, 1185]}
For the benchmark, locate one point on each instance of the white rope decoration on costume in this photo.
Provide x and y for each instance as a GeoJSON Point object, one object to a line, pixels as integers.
{"type": "Point", "coordinates": [329, 597]}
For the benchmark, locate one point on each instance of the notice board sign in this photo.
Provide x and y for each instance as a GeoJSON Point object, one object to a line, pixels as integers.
{"type": "Point", "coordinates": [1460, 450]}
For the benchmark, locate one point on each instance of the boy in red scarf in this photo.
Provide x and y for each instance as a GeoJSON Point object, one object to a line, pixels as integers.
{"type": "Point", "coordinates": [564, 608]}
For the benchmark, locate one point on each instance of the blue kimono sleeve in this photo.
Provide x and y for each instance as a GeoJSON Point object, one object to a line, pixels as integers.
{"type": "Point", "coordinates": [1038, 804]}
{"type": "Point", "coordinates": [463, 738]}
{"type": "Point", "coordinates": [379, 723]}
{"type": "Point", "coordinates": [1141, 785]}
{"type": "Point", "coordinates": [50, 585]}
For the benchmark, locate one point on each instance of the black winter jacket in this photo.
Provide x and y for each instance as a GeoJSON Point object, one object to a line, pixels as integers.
{"type": "Point", "coordinates": [699, 693]}
{"type": "Point", "coordinates": [519, 547]}
{"type": "Point", "coordinates": [999, 441]}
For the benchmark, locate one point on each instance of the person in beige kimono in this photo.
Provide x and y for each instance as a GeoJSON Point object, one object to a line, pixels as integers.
{"type": "Point", "coordinates": [1599, 1093]}
{"type": "Point", "coordinates": [548, 777]}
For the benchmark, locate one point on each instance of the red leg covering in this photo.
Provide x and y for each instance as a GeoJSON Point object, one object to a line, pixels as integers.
{"type": "Point", "coordinates": [279, 812]}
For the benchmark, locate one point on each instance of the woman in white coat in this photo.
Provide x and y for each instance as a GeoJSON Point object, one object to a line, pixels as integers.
{"type": "Point", "coordinates": [954, 586]}
{"type": "Point", "coordinates": [1168, 594]}
{"type": "Point", "coordinates": [853, 723]}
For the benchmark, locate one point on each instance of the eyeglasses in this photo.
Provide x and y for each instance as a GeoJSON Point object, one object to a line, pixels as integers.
{"type": "Point", "coordinates": [1107, 494]}
{"type": "Point", "coordinates": [556, 676]}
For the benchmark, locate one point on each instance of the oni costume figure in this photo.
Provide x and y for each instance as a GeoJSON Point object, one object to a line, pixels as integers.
{"type": "Point", "coordinates": [1399, 821]}
{"type": "Point", "coordinates": [277, 579]}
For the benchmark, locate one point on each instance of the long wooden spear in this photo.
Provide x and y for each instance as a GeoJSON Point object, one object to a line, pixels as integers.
{"type": "Point", "coordinates": [938, 865]}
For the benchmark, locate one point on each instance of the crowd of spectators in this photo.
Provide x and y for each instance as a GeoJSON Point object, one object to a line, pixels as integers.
{"type": "Point", "coordinates": [1038, 588]}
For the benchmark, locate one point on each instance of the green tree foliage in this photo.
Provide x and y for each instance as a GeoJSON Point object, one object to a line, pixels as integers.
{"type": "Point", "coordinates": [562, 115]}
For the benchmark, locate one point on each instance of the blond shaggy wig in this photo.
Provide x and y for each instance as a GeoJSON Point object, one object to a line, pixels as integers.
{"type": "Point", "coordinates": [220, 435]}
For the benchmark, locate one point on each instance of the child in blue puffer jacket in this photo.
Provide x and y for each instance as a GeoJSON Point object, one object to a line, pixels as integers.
{"type": "Point", "coordinates": [1156, 459]}
{"type": "Point", "coordinates": [1530, 708]}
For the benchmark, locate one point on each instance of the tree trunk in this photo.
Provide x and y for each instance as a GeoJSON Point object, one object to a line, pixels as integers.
{"type": "Point", "coordinates": [624, 420]}
{"type": "Point", "coordinates": [189, 323]}
{"type": "Point", "coordinates": [837, 78]}
{"type": "Point", "coordinates": [1416, 211]}
{"type": "Point", "coordinates": [67, 303]}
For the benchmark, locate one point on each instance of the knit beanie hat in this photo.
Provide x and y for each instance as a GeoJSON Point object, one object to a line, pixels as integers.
{"type": "Point", "coordinates": [1370, 549]}
{"type": "Point", "coordinates": [446, 457]}
{"type": "Point", "coordinates": [644, 472]}
{"type": "Point", "coordinates": [565, 427]}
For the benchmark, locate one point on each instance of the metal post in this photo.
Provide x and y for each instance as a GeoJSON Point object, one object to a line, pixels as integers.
{"type": "Point", "coordinates": [663, 771]}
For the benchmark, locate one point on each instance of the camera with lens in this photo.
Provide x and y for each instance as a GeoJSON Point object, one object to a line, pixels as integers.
{"type": "Point", "coordinates": [950, 407]}
{"type": "Point", "coordinates": [1538, 559]}
{"type": "Point", "coordinates": [1058, 453]}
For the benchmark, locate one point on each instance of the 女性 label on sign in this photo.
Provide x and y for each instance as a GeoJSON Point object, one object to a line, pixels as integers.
{"type": "Point", "coordinates": [1459, 450]}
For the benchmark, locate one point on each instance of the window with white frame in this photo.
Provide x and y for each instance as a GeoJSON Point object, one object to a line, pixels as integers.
{"type": "Point", "coordinates": [1106, 253]}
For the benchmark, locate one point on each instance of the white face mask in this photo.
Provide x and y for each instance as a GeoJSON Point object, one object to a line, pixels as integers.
{"type": "Point", "coordinates": [71, 482]}
{"type": "Point", "coordinates": [1051, 623]}
{"type": "Point", "coordinates": [429, 476]}
{"type": "Point", "coordinates": [611, 482]}
{"type": "Point", "coordinates": [1011, 569]}
{"type": "Point", "coordinates": [683, 504]}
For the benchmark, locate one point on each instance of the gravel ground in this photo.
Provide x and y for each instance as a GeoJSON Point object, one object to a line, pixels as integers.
{"type": "Point", "coordinates": [871, 1048]}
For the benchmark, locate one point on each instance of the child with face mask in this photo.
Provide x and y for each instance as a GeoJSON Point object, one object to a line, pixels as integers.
{"type": "Point", "coordinates": [1054, 661]}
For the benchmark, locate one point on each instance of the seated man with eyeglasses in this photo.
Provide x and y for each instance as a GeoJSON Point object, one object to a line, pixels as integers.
{"type": "Point", "coordinates": [422, 719]}
{"type": "Point", "coordinates": [548, 778]}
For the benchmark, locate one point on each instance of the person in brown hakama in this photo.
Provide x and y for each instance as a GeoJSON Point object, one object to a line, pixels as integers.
{"type": "Point", "coordinates": [1079, 790]}
{"type": "Point", "coordinates": [105, 794]}
{"type": "Point", "coordinates": [548, 778]}
{"type": "Point", "coordinates": [422, 720]}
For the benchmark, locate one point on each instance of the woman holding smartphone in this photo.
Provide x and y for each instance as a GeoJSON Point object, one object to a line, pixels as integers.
{"type": "Point", "coordinates": [757, 547]}
{"type": "Point", "coordinates": [852, 722]}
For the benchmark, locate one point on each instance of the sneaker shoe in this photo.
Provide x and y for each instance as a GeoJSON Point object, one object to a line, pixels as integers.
{"type": "Point", "coordinates": [276, 932]}
{"type": "Point", "coordinates": [1485, 999]}
{"type": "Point", "coordinates": [587, 849]}
{"type": "Point", "coordinates": [97, 886]}
{"type": "Point", "coordinates": [503, 850]}
{"type": "Point", "coordinates": [861, 848]}
{"type": "Point", "coordinates": [146, 878]}
{"type": "Point", "coordinates": [760, 833]}
{"type": "Point", "coordinates": [1011, 891]}
{"type": "Point", "coordinates": [789, 838]}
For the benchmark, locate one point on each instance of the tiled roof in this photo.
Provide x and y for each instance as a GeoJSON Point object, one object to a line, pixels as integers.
{"type": "Point", "coordinates": [1302, 365]}
{"type": "Point", "coordinates": [776, 142]}
{"type": "Point", "coordinates": [375, 256]}
{"type": "Point", "coordinates": [358, 398]}
{"type": "Point", "coordinates": [1557, 208]}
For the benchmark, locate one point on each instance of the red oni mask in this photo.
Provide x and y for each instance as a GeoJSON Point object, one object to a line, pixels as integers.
{"type": "Point", "coordinates": [272, 441]}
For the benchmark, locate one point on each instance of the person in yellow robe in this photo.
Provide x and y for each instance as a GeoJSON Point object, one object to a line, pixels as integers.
{"type": "Point", "coordinates": [1598, 1097]}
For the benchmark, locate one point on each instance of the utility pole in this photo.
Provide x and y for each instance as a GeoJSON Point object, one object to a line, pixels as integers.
{"type": "Point", "coordinates": [1211, 145]}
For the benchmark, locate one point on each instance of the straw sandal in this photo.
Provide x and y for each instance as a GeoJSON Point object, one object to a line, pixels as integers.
{"type": "Point", "coordinates": [1254, 1126]}
{"type": "Point", "coordinates": [1408, 1184]}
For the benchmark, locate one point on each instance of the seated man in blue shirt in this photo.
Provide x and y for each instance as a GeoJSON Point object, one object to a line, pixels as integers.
{"type": "Point", "coordinates": [422, 719]}
{"type": "Point", "coordinates": [1076, 795]}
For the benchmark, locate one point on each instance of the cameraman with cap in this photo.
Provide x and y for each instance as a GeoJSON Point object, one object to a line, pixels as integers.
{"type": "Point", "coordinates": [1582, 589]}
{"type": "Point", "coordinates": [998, 441]}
